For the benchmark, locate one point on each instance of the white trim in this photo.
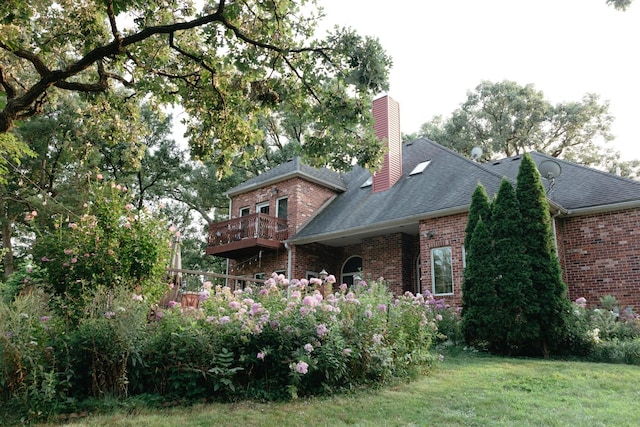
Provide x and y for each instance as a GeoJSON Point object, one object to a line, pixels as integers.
{"type": "Point", "coordinates": [262, 205]}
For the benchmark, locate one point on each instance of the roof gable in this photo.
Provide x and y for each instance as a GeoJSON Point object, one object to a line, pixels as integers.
{"type": "Point", "coordinates": [291, 169]}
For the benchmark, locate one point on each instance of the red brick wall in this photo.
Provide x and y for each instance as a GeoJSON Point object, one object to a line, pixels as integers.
{"type": "Point", "coordinates": [304, 200]}
{"type": "Point", "coordinates": [600, 255]}
{"type": "Point", "coordinates": [441, 232]}
{"type": "Point", "coordinates": [315, 257]}
{"type": "Point", "coordinates": [382, 257]}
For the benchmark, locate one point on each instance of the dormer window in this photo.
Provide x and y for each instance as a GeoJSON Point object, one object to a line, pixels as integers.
{"type": "Point", "coordinates": [420, 167]}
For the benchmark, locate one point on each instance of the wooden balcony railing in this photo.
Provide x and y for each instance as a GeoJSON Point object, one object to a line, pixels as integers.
{"type": "Point", "coordinates": [237, 236]}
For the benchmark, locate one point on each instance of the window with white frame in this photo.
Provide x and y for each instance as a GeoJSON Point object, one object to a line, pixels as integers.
{"type": "Point", "coordinates": [441, 271]}
{"type": "Point", "coordinates": [262, 208]}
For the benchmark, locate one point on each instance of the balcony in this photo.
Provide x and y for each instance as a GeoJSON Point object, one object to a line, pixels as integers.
{"type": "Point", "coordinates": [241, 237]}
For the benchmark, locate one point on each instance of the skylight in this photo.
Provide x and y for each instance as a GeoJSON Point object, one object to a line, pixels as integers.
{"type": "Point", "coordinates": [420, 167]}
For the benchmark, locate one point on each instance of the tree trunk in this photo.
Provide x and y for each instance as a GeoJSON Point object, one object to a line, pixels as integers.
{"type": "Point", "coordinates": [7, 258]}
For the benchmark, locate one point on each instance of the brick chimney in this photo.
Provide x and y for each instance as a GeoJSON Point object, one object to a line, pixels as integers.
{"type": "Point", "coordinates": [386, 125]}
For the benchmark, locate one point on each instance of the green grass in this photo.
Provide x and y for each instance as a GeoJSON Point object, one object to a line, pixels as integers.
{"type": "Point", "coordinates": [465, 390]}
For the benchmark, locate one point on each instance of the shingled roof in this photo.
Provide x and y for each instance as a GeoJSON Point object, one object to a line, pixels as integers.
{"type": "Point", "coordinates": [290, 169]}
{"type": "Point", "coordinates": [578, 188]}
{"type": "Point", "coordinates": [445, 187]}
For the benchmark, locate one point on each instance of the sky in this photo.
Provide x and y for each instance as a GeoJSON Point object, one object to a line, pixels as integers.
{"type": "Point", "coordinates": [442, 49]}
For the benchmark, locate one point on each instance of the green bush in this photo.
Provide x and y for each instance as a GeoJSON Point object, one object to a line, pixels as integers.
{"type": "Point", "coordinates": [110, 244]}
{"type": "Point", "coordinates": [272, 342]}
{"type": "Point", "coordinates": [604, 333]}
{"type": "Point", "coordinates": [28, 278]}
{"type": "Point", "coordinates": [32, 382]}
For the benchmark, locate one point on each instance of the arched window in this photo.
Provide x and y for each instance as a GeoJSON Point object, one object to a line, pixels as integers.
{"type": "Point", "coordinates": [351, 268]}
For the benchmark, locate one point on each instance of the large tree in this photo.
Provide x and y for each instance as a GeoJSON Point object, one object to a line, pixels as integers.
{"type": "Point", "coordinates": [549, 292]}
{"type": "Point", "coordinates": [230, 64]}
{"type": "Point", "coordinates": [507, 119]}
{"type": "Point", "coordinates": [514, 291]}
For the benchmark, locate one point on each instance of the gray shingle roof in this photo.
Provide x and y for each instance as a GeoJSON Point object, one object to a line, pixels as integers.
{"type": "Point", "coordinates": [445, 187]}
{"type": "Point", "coordinates": [578, 187]}
{"type": "Point", "coordinates": [292, 168]}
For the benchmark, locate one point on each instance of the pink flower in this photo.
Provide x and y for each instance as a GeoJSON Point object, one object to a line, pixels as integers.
{"type": "Point", "coordinates": [234, 305]}
{"type": "Point", "coordinates": [44, 259]}
{"type": "Point", "coordinates": [315, 281]}
{"type": "Point", "coordinates": [256, 308]}
{"type": "Point", "coordinates": [260, 355]}
{"type": "Point", "coordinates": [377, 338]}
{"type": "Point", "coordinates": [322, 330]}
{"type": "Point", "coordinates": [309, 301]}
{"type": "Point", "coordinates": [73, 225]}
{"type": "Point", "coordinates": [136, 297]}
{"type": "Point", "coordinates": [99, 176]}
{"type": "Point", "coordinates": [74, 260]}
{"type": "Point", "coordinates": [68, 251]}
{"type": "Point", "coordinates": [128, 206]}
{"type": "Point", "coordinates": [347, 351]}
{"type": "Point", "coordinates": [438, 317]}
{"type": "Point", "coordinates": [308, 348]}
{"type": "Point", "coordinates": [331, 279]}
{"type": "Point", "coordinates": [382, 307]}
{"type": "Point", "coordinates": [302, 367]}
{"type": "Point", "coordinates": [34, 213]}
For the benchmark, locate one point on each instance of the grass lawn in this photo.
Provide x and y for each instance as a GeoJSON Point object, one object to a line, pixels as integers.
{"type": "Point", "coordinates": [465, 390]}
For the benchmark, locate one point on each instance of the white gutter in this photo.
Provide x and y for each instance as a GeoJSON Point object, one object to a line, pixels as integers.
{"type": "Point", "coordinates": [604, 208]}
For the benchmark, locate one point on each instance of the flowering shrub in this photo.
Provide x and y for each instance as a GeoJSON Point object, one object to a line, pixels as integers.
{"type": "Point", "coordinates": [277, 341]}
{"type": "Point", "coordinates": [110, 244]}
{"type": "Point", "coordinates": [601, 332]}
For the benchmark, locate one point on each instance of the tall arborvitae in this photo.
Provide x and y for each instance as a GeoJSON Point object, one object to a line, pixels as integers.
{"type": "Point", "coordinates": [513, 283]}
{"type": "Point", "coordinates": [478, 288]}
{"type": "Point", "coordinates": [480, 208]}
{"type": "Point", "coordinates": [551, 305]}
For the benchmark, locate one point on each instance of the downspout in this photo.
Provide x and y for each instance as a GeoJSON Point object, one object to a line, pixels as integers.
{"type": "Point", "coordinates": [288, 248]}
{"type": "Point", "coordinates": [226, 279]}
{"type": "Point", "coordinates": [553, 229]}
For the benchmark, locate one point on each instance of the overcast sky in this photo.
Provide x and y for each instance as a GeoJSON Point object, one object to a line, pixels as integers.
{"type": "Point", "coordinates": [442, 49]}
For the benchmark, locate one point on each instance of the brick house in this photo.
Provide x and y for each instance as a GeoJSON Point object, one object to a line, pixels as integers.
{"type": "Point", "coordinates": [406, 222]}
